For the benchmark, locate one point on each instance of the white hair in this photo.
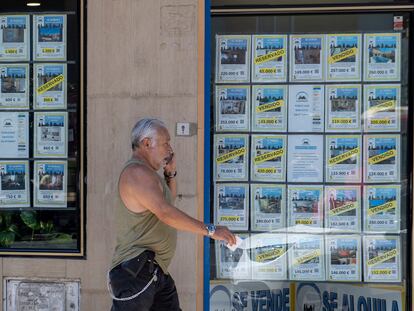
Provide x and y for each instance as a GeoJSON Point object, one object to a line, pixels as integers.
{"type": "Point", "coordinates": [145, 128]}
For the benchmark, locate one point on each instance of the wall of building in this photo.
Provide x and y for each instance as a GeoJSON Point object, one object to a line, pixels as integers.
{"type": "Point", "coordinates": [142, 62]}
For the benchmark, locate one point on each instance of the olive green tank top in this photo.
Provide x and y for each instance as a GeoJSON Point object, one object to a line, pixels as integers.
{"type": "Point", "coordinates": [138, 232]}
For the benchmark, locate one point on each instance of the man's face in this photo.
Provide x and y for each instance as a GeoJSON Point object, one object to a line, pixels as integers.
{"type": "Point", "coordinates": [160, 150]}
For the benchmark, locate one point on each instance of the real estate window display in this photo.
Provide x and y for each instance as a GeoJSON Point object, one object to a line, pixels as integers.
{"type": "Point", "coordinates": [40, 63]}
{"type": "Point", "coordinates": [350, 191]}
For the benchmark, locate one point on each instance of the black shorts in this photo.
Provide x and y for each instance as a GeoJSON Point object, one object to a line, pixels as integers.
{"type": "Point", "coordinates": [132, 276]}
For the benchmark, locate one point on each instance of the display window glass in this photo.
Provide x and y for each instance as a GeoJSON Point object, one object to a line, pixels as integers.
{"type": "Point", "coordinates": [311, 131]}
{"type": "Point", "coordinates": [42, 155]}
{"type": "Point", "coordinates": [298, 3]}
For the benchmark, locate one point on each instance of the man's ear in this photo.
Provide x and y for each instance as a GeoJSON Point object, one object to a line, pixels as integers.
{"type": "Point", "coordinates": [146, 142]}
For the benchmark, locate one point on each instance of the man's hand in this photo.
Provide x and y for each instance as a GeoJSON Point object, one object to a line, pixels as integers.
{"type": "Point", "coordinates": [222, 233]}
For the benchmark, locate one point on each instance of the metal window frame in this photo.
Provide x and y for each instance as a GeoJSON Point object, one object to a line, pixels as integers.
{"type": "Point", "coordinates": [297, 10]}
{"type": "Point", "coordinates": [82, 159]}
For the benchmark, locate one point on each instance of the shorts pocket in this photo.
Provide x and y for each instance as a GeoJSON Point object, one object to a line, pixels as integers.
{"type": "Point", "coordinates": [135, 265]}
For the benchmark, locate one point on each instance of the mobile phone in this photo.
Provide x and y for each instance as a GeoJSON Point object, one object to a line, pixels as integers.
{"type": "Point", "coordinates": [169, 158]}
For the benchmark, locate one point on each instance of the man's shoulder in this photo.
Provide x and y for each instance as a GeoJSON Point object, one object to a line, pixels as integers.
{"type": "Point", "coordinates": [134, 170]}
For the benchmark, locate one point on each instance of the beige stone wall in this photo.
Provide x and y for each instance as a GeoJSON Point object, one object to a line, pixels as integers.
{"type": "Point", "coordinates": [142, 61]}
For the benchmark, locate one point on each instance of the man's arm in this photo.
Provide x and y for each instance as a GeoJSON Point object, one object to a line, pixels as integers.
{"type": "Point", "coordinates": [172, 184]}
{"type": "Point", "coordinates": [140, 189]}
{"type": "Point", "coordinates": [171, 169]}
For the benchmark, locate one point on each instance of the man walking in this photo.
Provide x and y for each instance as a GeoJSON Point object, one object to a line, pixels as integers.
{"type": "Point", "coordinates": [147, 222]}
